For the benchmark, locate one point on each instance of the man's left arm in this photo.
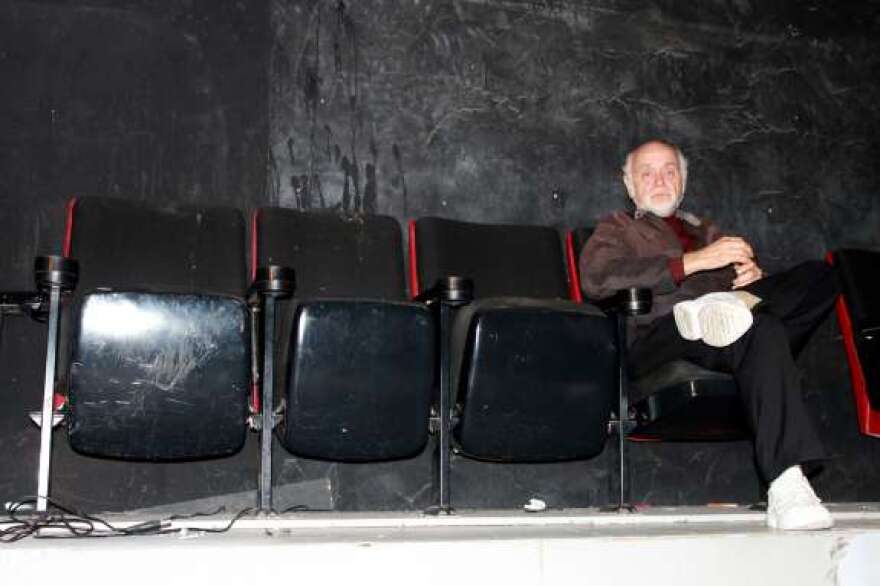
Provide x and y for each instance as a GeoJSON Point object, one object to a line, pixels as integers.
{"type": "Point", "coordinates": [718, 251]}
{"type": "Point", "coordinates": [747, 273]}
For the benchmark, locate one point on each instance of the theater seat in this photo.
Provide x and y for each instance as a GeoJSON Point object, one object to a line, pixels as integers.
{"type": "Point", "coordinates": [533, 375]}
{"type": "Point", "coordinates": [356, 360]}
{"type": "Point", "coordinates": [157, 347]}
{"type": "Point", "coordinates": [858, 313]}
{"type": "Point", "coordinates": [680, 401]}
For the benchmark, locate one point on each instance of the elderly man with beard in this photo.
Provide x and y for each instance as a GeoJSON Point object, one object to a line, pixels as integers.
{"type": "Point", "coordinates": [714, 306]}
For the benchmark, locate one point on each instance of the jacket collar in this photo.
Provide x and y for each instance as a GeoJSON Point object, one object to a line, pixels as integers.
{"type": "Point", "coordinates": [684, 216]}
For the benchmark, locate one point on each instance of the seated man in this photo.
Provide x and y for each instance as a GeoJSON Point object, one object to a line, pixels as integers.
{"type": "Point", "coordinates": [714, 306]}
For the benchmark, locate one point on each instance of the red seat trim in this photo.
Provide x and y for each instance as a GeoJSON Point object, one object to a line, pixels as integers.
{"type": "Point", "coordinates": [574, 282]}
{"type": "Point", "coordinates": [68, 229]}
{"type": "Point", "coordinates": [413, 262]}
{"type": "Point", "coordinates": [869, 419]}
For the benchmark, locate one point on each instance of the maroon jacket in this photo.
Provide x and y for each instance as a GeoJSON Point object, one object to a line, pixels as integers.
{"type": "Point", "coordinates": [626, 252]}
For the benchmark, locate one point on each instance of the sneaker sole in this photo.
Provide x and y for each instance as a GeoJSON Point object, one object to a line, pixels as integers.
{"type": "Point", "coordinates": [687, 320]}
{"type": "Point", "coordinates": [724, 323]}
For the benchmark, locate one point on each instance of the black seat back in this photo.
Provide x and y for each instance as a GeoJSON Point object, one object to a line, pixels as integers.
{"type": "Point", "coordinates": [159, 349]}
{"type": "Point", "coordinates": [580, 236]}
{"type": "Point", "coordinates": [861, 286]}
{"type": "Point", "coordinates": [124, 245]}
{"type": "Point", "coordinates": [502, 260]}
{"type": "Point", "coordinates": [860, 321]}
{"type": "Point", "coordinates": [574, 244]}
{"type": "Point", "coordinates": [333, 255]}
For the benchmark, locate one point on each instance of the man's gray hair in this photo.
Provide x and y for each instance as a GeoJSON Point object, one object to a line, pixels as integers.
{"type": "Point", "coordinates": [627, 166]}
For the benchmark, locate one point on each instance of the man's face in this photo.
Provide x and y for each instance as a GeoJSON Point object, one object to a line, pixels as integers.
{"type": "Point", "coordinates": [656, 182]}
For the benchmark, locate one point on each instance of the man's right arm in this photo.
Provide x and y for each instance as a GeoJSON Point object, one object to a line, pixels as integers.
{"type": "Point", "coordinates": [720, 253]}
{"type": "Point", "coordinates": [608, 264]}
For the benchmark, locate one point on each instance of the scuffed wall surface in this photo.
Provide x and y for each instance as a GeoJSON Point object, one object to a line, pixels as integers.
{"type": "Point", "coordinates": [522, 111]}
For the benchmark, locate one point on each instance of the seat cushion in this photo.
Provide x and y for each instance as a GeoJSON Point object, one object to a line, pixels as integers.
{"type": "Point", "coordinates": [681, 401]}
{"type": "Point", "coordinates": [159, 376]}
{"type": "Point", "coordinates": [538, 379]}
{"type": "Point", "coordinates": [674, 374]}
{"type": "Point", "coordinates": [360, 375]}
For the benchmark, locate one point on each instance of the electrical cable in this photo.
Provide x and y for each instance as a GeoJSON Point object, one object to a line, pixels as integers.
{"type": "Point", "coordinates": [232, 522]}
{"type": "Point", "coordinates": [74, 524]}
{"type": "Point", "coordinates": [295, 508]}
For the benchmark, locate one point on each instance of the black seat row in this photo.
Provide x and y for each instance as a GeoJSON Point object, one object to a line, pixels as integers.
{"type": "Point", "coordinates": [164, 343]}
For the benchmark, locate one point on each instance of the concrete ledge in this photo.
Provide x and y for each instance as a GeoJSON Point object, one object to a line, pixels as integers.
{"type": "Point", "coordinates": [659, 547]}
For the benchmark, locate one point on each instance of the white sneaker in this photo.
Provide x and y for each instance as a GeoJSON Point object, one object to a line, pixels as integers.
{"type": "Point", "coordinates": [719, 319]}
{"type": "Point", "coordinates": [793, 506]}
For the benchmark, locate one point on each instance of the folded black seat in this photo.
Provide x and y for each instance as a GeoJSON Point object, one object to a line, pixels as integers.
{"type": "Point", "coordinates": [159, 344]}
{"type": "Point", "coordinates": [356, 359]}
{"type": "Point", "coordinates": [679, 401]}
{"type": "Point", "coordinates": [534, 375]}
{"type": "Point", "coordinates": [858, 313]}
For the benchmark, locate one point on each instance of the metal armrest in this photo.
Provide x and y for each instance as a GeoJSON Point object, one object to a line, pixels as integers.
{"type": "Point", "coordinates": [448, 293]}
{"type": "Point", "coordinates": [628, 302]}
{"type": "Point", "coordinates": [54, 276]}
{"type": "Point", "coordinates": [452, 290]}
{"type": "Point", "coordinates": [271, 283]}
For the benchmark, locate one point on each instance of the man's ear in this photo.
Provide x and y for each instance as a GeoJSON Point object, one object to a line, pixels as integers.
{"type": "Point", "coordinates": [628, 183]}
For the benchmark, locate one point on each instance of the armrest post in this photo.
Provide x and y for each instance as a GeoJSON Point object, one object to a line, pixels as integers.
{"type": "Point", "coordinates": [272, 283]}
{"type": "Point", "coordinates": [54, 275]}
{"type": "Point", "coordinates": [629, 303]}
{"type": "Point", "coordinates": [451, 292]}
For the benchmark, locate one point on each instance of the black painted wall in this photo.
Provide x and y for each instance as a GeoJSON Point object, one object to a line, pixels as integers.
{"type": "Point", "coordinates": [486, 110]}
{"type": "Point", "coordinates": [154, 100]}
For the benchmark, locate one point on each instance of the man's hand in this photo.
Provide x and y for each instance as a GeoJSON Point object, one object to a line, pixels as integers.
{"type": "Point", "coordinates": [746, 273]}
{"type": "Point", "coordinates": [724, 251]}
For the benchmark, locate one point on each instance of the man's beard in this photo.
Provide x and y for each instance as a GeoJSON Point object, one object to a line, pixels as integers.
{"type": "Point", "coordinates": [664, 210]}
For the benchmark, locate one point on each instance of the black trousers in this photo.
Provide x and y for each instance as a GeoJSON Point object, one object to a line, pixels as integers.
{"type": "Point", "coordinates": [793, 304]}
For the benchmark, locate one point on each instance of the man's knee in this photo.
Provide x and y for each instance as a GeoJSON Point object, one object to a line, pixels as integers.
{"type": "Point", "coordinates": [767, 329]}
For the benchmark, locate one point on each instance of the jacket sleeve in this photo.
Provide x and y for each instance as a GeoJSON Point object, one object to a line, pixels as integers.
{"type": "Point", "coordinates": [607, 264]}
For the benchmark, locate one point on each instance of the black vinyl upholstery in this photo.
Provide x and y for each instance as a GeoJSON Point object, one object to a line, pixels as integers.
{"type": "Point", "coordinates": [356, 360]}
{"type": "Point", "coordinates": [157, 335]}
{"type": "Point", "coordinates": [334, 255]}
{"type": "Point", "coordinates": [159, 376]}
{"type": "Point", "coordinates": [681, 401]}
{"type": "Point", "coordinates": [502, 260]}
{"type": "Point", "coordinates": [126, 245]}
{"type": "Point", "coordinates": [861, 293]}
{"type": "Point", "coordinates": [534, 375]}
{"type": "Point", "coordinates": [539, 381]}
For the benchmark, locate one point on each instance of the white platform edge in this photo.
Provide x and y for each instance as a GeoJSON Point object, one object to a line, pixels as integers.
{"type": "Point", "coordinates": [657, 517]}
{"type": "Point", "coordinates": [657, 547]}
